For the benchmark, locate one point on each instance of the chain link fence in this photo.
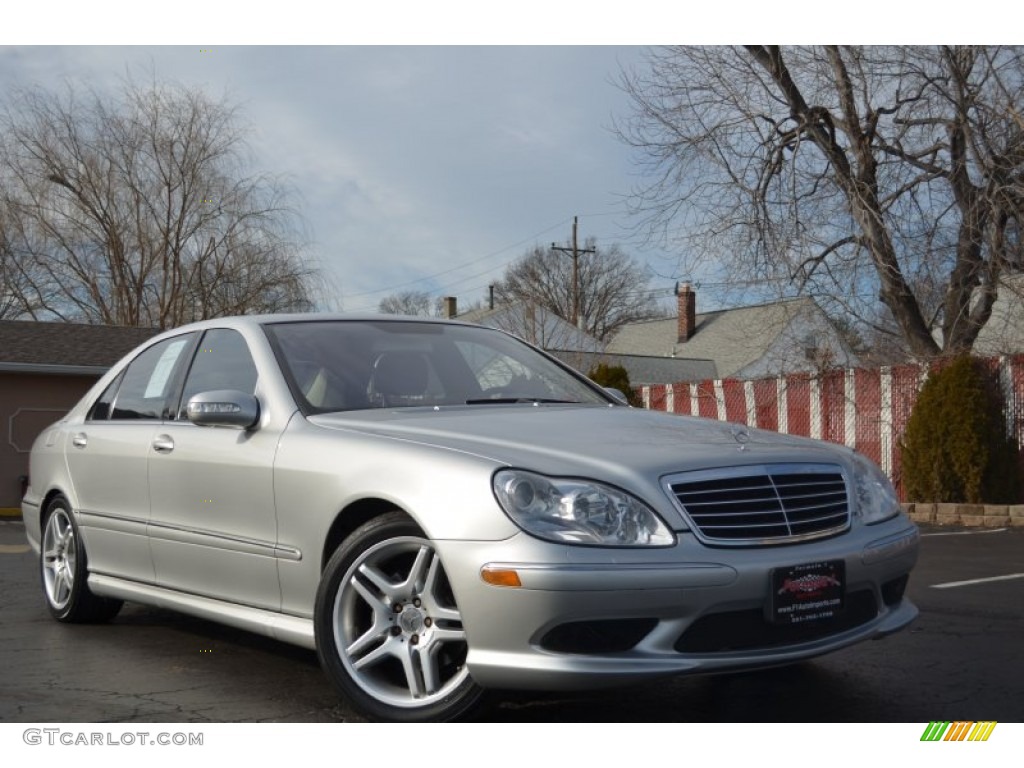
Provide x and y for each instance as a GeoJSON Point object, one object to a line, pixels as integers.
{"type": "Point", "coordinates": [865, 409]}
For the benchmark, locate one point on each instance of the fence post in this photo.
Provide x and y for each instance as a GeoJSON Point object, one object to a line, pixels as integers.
{"type": "Point", "coordinates": [783, 405]}
{"type": "Point", "coordinates": [885, 420]}
{"type": "Point", "coordinates": [816, 407]}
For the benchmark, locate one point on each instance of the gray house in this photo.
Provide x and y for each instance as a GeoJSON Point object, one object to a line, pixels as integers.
{"type": "Point", "coordinates": [576, 348]}
{"type": "Point", "coordinates": [789, 336]}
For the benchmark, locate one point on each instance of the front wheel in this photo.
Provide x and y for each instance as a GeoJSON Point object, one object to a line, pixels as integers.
{"type": "Point", "coordinates": [388, 631]}
{"type": "Point", "coordinates": [64, 570]}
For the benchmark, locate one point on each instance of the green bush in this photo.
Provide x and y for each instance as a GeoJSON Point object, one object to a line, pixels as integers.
{"type": "Point", "coordinates": [615, 376]}
{"type": "Point", "coordinates": [955, 447]}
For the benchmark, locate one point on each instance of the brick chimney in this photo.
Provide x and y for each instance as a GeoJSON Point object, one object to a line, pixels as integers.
{"type": "Point", "coordinates": [451, 307]}
{"type": "Point", "coordinates": [686, 300]}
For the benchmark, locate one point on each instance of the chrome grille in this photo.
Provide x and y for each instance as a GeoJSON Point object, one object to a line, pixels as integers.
{"type": "Point", "coordinates": [764, 504]}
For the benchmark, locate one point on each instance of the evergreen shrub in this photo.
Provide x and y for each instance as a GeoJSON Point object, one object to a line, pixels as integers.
{"type": "Point", "coordinates": [955, 447]}
{"type": "Point", "coordinates": [616, 376]}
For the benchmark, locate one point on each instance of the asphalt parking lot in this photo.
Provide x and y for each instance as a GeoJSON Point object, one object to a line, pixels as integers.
{"type": "Point", "coordinates": [959, 661]}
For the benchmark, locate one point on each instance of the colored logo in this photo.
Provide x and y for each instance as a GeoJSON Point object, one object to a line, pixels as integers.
{"type": "Point", "coordinates": [809, 585]}
{"type": "Point", "coordinates": [958, 731]}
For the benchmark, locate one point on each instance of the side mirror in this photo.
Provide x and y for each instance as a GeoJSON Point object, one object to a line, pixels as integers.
{"type": "Point", "coordinates": [616, 394]}
{"type": "Point", "coordinates": [223, 408]}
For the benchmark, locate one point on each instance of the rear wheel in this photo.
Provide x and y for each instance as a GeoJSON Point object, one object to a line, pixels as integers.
{"type": "Point", "coordinates": [388, 631]}
{"type": "Point", "coordinates": [64, 570]}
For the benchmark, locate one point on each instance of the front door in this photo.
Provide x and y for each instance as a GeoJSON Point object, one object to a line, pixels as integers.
{"type": "Point", "coordinates": [213, 527]}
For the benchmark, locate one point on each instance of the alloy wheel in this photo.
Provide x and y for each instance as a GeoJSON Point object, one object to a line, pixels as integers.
{"type": "Point", "coordinates": [60, 554]}
{"type": "Point", "coordinates": [396, 627]}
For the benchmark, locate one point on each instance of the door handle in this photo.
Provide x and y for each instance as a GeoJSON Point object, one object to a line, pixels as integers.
{"type": "Point", "coordinates": [163, 444]}
{"type": "Point", "coordinates": [79, 440]}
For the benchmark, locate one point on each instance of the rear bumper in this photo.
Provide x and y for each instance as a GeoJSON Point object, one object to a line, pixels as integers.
{"type": "Point", "coordinates": [30, 516]}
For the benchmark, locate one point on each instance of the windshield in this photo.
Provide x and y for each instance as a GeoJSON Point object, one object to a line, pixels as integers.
{"type": "Point", "coordinates": [343, 365]}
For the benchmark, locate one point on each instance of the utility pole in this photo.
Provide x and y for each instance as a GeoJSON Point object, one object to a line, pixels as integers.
{"type": "Point", "coordinates": [575, 252]}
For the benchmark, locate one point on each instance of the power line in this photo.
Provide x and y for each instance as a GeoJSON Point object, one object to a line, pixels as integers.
{"type": "Point", "coordinates": [460, 266]}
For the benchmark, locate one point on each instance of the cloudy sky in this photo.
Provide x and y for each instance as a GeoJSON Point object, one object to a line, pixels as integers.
{"type": "Point", "coordinates": [416, 167]}
{"type": "Point", "coordinates": [427, 168]}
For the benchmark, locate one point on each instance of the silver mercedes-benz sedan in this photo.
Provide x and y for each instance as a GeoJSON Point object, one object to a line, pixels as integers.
{"type": "Point", "coordinates": [440, 509]}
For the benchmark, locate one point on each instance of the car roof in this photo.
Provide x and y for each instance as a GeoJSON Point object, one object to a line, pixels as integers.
{"type": "Point", "coordinates": [306, 317]}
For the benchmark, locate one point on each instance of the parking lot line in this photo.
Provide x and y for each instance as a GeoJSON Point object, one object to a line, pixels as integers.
{"type": "Point", "coordinates": [13, 549]}
{"type": "Point", "coordinates": [950, 584]}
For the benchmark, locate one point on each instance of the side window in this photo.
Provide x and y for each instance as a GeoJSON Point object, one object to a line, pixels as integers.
{"type": "Point", "coordinates": [222, 361]}
{"type": "Point", "coordinates": [148, 380]}
{"type": "Point", "coordinates": [100, 410]}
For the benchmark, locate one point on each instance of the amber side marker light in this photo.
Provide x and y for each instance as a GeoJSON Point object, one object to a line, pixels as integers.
{"type": "Point", "coordinates": [500, 577]}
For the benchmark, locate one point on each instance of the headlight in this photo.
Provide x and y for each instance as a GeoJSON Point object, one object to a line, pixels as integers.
{"type": "Point", "coordinates": [876, 499]}
{"type": "Point", "coordinates": [578, 511]}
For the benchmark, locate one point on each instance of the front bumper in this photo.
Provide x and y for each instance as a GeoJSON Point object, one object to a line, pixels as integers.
{"type": "Point", "coordinates": [672, 600]}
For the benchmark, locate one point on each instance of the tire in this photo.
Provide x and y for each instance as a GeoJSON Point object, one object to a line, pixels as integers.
{"type": "Point", "coordinates": [388, 631]}
{"type": "Point", "coordinates": [64, 570]}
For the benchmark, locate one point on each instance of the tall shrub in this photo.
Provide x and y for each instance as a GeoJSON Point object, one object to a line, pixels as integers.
{"type": "Point", "coordinates": [618, 377]}
{"type": "Point", "coordinates": [955, 447]}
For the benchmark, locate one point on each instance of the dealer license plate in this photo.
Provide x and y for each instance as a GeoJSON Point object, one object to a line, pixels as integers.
{"type": "Point", "coordinates": [808, 593]}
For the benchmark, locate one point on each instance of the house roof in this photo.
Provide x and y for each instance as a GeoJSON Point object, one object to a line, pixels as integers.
{"type": "Point", "coordinates": [480, 316]}
{"type": "Point", "coordinates": [642, 369]}
{"type": "Point", "coordinates": [732, 338]}
{"type": "Point", "coordinates": [33, 346]}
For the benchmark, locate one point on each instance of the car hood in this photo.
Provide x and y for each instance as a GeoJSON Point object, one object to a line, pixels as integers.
{"type": "Point", "coordinates": [572, 439]}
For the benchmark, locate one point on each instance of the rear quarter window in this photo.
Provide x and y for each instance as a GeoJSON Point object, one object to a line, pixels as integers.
{"type": "Point", "coordinates": [148, 380]}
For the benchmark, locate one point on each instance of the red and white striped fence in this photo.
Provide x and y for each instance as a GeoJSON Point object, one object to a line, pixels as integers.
{"type": "Point", "coordinates": [862, 408]}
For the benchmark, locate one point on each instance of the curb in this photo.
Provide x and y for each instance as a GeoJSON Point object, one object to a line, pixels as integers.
{"type": "Point", "coordinates": [968, 515]}
{"type": "Point", "coordinates": [10, 512]}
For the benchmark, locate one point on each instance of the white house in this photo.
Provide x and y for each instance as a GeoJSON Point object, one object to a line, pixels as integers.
{"type": "Point", "coordinates": [535, 324]}
{"type": "Point", "coordinates": [1003, 334]}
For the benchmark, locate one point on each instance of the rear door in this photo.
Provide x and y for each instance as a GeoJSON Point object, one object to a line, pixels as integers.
{"type": "Point", "coordinates": [107, 457]}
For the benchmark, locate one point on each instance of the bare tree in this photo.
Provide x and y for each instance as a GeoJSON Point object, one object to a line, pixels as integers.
{"type": "Point", "coordinates": [415, 303]}
{"type": "Point", "coordinates": [138, 209]}
{"type": "Point", "coordinates": [612, 287]}
{"type": "Point", "coordinates": [854, 174]}
{"type": "Point", "coordinates": [16, 279]}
